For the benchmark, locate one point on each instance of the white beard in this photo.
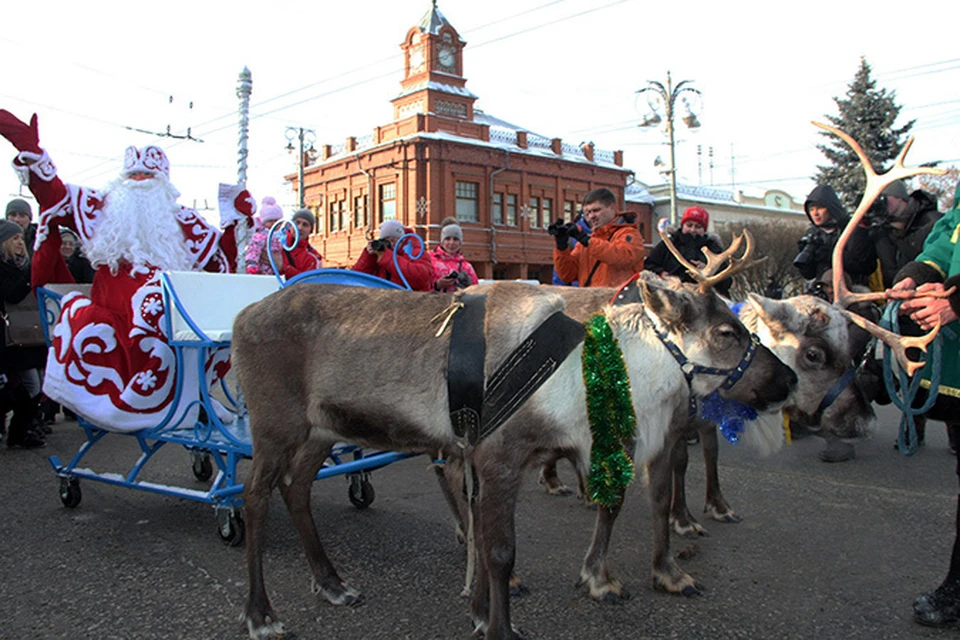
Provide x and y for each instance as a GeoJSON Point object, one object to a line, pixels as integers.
{"type": "Point", "coordinates": [138, 225]}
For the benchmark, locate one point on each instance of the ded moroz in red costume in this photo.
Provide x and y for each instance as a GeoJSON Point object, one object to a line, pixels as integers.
{"type": "Point", "coordinates": [110, 360]}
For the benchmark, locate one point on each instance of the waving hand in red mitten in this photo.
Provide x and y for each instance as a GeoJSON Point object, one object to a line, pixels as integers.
{"type": "Point", "coordinates": [245, 203]}
{"type": "Point", "coordinates": [21, 135]}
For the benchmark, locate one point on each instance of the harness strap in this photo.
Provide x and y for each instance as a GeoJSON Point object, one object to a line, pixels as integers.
{"type": "Point", "coordinates": [630, 294]}
{"type": "Point", "coordinates": [527, 368]}
{"type": "Point", "coordinates": [834, 392]}
{"type": "Point", "coordinates": [468, 348]}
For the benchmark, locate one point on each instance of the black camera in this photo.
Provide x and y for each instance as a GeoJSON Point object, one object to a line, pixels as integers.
{"type": "Point", "coordinates": [809, 246]}
{"type": "Point", "coordinates": [380, 244]}
{"type": "Point", "coordinates": [877, 214]}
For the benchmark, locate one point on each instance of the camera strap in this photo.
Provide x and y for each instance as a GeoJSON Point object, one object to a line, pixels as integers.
{"type": "Point", "coordinates": [590, 277]}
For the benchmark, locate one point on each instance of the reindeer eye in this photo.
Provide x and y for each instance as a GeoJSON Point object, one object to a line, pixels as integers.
{"type": "Point", "coordinates": [813, 356]}
{"type": "Point", "coordinates": [726, 332]}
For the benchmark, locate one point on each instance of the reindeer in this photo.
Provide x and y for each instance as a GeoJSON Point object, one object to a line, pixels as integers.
{"type": "Point", "coordinates": [309, 386]}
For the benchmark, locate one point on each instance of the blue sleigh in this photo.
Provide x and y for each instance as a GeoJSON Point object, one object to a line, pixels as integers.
{"type": "Point", "coordinates": [200, 309]}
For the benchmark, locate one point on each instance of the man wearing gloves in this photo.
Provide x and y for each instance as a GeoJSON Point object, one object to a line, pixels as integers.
{"type": "Point", "coordinates": [607, 257]}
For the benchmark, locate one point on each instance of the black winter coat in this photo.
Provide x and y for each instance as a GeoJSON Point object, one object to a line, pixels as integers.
{"type": "Point", "coordinates": [895, 248]}
{"type": "Point", "coordinates": [14, 287]}
{"type": "Point", "coordinates": [818, 241]}
{"type": "Point", "coordinates": [690, 247]}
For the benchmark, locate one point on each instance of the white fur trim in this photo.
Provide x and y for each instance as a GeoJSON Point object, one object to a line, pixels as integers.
{"type": "Point", "coordinates": [40, 165]}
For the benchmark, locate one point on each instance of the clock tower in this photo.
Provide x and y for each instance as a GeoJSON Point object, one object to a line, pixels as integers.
{"type": "Point", "coordinates": [433, 79]}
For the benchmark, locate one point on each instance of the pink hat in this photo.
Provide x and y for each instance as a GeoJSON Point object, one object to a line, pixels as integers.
{"type": "Point", "coordinates": [270, 211]}
{"type": "Point", "coordinates": [150, 159]}
{"type": "Point", "coordinates": [696, 214]}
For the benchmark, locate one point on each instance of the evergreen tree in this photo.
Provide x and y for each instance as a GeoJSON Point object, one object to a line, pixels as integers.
{"type": "Point", "coordinates": [868, 115]}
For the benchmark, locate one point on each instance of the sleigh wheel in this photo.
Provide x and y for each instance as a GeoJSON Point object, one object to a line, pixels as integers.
{"type": "Point", "coordinates": [230, 528]}
{"type": "Point", "coordinates": [202, 467]}
{"type": "Point", "coordinates": [70, 494]}
{"type": "Point", "coordinates": [361, 492]}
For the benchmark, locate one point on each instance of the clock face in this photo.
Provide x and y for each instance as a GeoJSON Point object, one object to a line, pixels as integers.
{"type": "Point", "coordinates": [447, 58]}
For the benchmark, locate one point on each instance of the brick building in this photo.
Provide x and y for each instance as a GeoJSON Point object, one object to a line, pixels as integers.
{"type": "Point", "coordinates": [442, 157]}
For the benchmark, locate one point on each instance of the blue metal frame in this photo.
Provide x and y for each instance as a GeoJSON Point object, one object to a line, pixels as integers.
{"type": "Point", "coordinates": [225, 444]}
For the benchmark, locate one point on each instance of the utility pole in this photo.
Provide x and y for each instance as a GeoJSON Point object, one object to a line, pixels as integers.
{"type": "Point", "coordinates": [306, 139]}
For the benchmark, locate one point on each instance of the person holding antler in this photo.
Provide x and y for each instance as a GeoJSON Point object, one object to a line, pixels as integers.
{"type": "Point", "coordinates": [935, 271]}
{"type": "Point", "coordinates": [110, 360]}
{"type": "Point", "coordinates": [690, 240]}
{"type": "Point", "coordinates": [607, 257]}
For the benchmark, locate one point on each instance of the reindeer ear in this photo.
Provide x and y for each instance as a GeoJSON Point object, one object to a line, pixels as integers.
{"type": "Point", "coordinates": [669, 305]}
{"type": "Point", "coordinates": [775, 315]}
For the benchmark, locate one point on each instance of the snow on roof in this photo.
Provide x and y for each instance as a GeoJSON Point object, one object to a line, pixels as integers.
{"type": "Point", "coordinates": [503, 135]}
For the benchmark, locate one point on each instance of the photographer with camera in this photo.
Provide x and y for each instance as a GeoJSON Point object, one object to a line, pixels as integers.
{"type": "Point", "coordinates": [451, 271]}
{"type": "Point", "coordinates": [377, 259]}
{"type": "Point", "coordinates": [894, 229]}
{"type": "Point", "coordinates": [827, 220]}
{"type": "Point", "coordinates": [607, 257]}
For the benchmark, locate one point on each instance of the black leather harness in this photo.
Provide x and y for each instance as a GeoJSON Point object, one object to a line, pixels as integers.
{"type": "Point", "coordinates": [477, 409]}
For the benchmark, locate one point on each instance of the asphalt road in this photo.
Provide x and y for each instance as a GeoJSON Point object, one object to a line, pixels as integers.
{"type": "Point", "coordinates": [823, 551]}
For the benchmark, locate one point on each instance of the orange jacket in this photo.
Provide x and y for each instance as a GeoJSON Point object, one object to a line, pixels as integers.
{"type": "Point", "coordinates": [615, 250]}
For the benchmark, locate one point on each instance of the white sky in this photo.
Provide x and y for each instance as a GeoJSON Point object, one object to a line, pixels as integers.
{"type": "Point", "coordinates": [562, 68]}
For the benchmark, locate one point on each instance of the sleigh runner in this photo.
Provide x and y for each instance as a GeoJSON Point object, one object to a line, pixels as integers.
{"type": "Point", "coordinates": [200, 309]}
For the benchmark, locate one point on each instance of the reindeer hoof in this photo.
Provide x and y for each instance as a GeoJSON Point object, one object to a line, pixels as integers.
{"type": "Point", "coordinates": [615, 598]}
{"type": "Point", "coordinates": [517, 588]}
{"type": "Point", "coordinates": [692, 590]}
{"type": "Point", "coordinates": [730, 518]}
{"type": "Point", "coordinates": [269, 629]}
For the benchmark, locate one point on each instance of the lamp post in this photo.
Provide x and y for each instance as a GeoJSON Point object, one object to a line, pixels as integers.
{"type": "Point", "coordinates": [663, 98]}
{"type": "Point", "coordinates": [306, 138]}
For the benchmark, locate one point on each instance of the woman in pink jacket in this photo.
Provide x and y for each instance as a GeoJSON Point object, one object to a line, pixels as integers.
{"type": "Point", "coordinates": [451, 271]}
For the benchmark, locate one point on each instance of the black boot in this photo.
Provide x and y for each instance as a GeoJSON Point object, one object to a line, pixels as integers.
{"type": "Point", "coordinates": [940, 608]}
{"type": "Point", "coordinates": [953, 435]}
{"type": "Point", "coordinates": [837, 450]}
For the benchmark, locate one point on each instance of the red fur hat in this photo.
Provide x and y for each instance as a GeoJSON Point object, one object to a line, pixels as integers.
{"type": "Point", "coordinates": [696, 214]}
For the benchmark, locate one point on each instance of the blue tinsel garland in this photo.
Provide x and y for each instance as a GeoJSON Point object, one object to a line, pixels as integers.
{"type": "Point", "coordinates": [728, 415]}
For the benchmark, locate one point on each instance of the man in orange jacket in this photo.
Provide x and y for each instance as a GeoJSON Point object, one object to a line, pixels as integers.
{"type": "Point", "coordinates": [610, 255]}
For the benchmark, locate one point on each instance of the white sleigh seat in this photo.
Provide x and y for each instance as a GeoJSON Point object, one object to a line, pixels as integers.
{"type": "Point", "coordinates": [201, 306]}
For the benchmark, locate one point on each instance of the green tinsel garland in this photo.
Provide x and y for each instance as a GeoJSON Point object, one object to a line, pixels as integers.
{"type": "Point", "coordinates": [610, 411]}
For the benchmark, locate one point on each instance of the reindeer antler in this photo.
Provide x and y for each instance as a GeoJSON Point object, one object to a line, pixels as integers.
{"type": "Point", "coordinates": [842, 296]}
{"type": "Point", "coordinates": [707, 276]}
{"type": "Point", "coordinates": [876, 183]}
{"type": "Point", "coordinates": [897, 343]}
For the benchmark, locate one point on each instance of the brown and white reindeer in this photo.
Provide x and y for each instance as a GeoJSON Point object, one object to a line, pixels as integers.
{"type": "Point", "coordinates": [809, 335]}
{"type": "Point", "coordinates": [309, 386]}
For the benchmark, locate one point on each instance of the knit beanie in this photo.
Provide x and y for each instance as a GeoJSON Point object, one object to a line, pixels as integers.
{"type": "Point", "coordinates": [696, 214]}
{"type": "Point", "coordinates": [896, 189]}
{"type": "Point", "coordinates": [270, 211]}
{"type": "Point", "coordinates": [19, 205]}
{"type": "Point", "coordinates": [306, 214]}
{"type": "Point", "coordinates": [451, 231]}
{"type": "Point", "coordinates": [8, 230]}
{"type": "Point", "coordinates": [391, 229]}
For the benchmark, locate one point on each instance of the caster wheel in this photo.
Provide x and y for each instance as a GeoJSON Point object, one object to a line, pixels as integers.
{"type": "Point", "coordinates": [230, 528]}
{"type": "Point", "coordinates": [70, 494]}
{"type": "Point", "coordinates": [202, 467]}
{"type": "Point", "coordinates": [361, 492]}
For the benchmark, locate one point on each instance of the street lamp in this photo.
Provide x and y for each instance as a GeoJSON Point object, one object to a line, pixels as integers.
{"type": "Point", "coordinates": [306, 137]}
{"type": "Point", "coordinates": [662, 104]}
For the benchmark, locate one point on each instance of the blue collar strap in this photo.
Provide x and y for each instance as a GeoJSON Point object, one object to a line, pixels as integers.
{"type": "Point", "coordinates": [630, 293]}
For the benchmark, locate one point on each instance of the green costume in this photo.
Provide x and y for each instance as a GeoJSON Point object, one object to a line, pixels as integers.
{"type": "Point", "coordinates": [940, 262]}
